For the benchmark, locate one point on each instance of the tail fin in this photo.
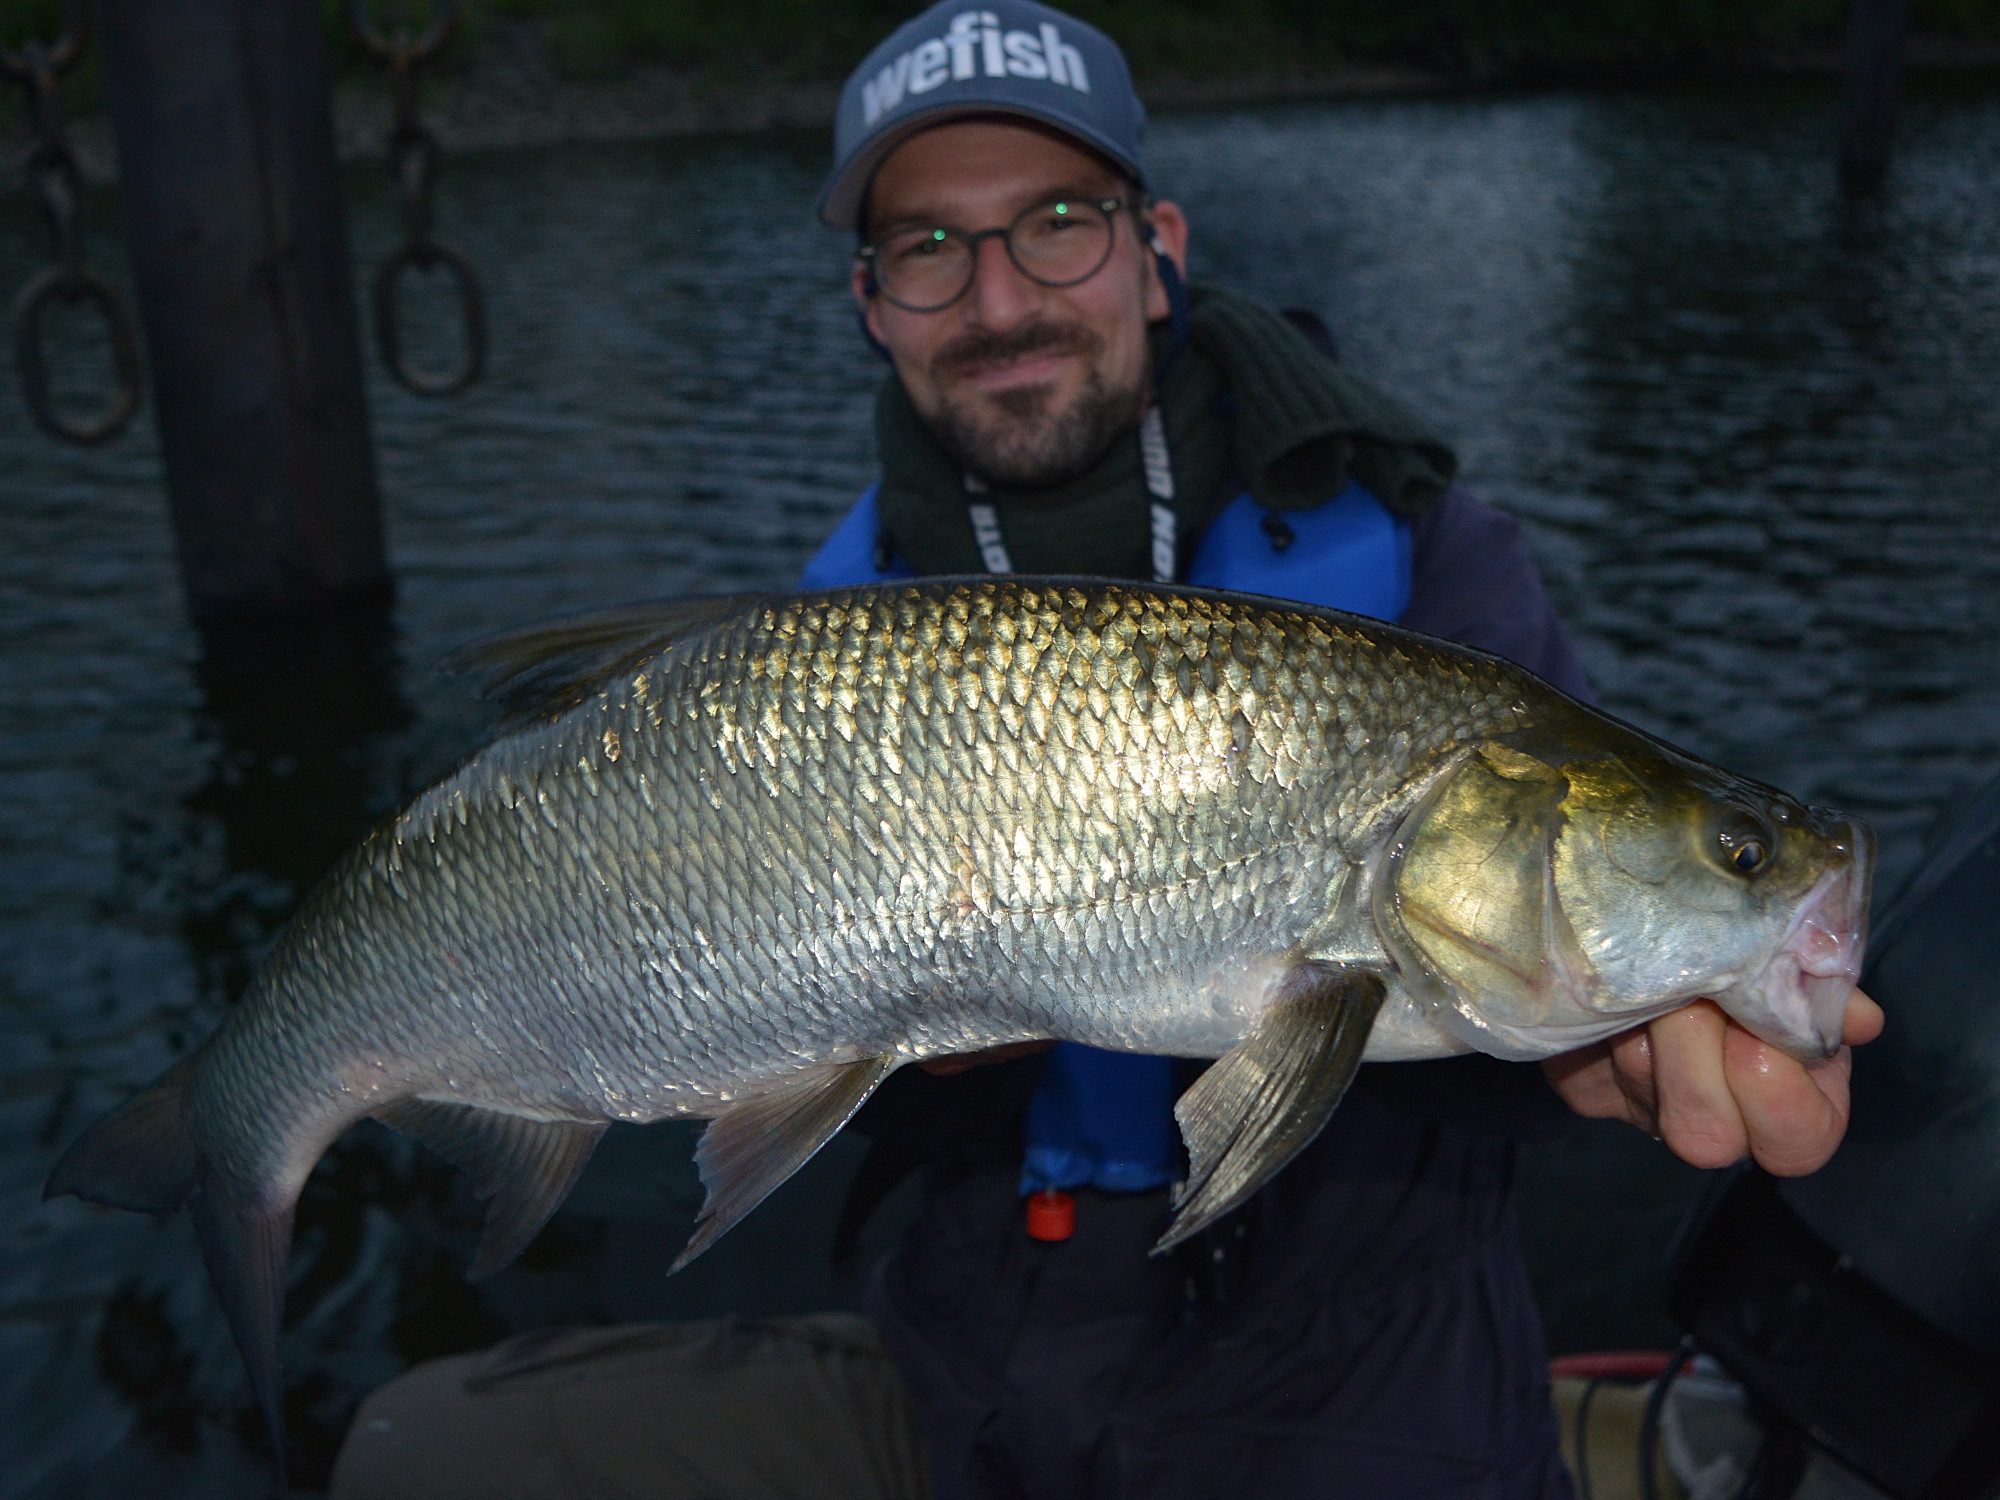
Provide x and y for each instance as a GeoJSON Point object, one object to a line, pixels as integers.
{"type": "Point", "coordinates": [142, 1156]}
{"type": "Point", "coordinates": [245, 1248]}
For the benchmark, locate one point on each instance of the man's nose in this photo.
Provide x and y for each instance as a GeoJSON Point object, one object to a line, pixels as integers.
{"type": "Point", "coordinates": [1000, 296]}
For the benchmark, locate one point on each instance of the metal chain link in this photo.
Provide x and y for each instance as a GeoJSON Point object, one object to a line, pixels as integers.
{"type": "Point", "coordinates": [57, 186]}
{"type": "Point", "coordinates": [413, 161]}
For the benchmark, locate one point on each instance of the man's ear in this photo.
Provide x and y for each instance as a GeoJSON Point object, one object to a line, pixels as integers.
{"type": "Point", "coordinates": [1167, 235]}
{"type": "Point", "coordinates": [862, 284]}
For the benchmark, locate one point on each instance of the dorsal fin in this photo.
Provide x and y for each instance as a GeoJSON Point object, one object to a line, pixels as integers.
{"type": "Point", "coordinates": [548, 669]}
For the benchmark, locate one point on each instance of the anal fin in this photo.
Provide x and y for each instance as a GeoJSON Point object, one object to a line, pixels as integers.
{"type": "Point", "coordinates": [1267, 1097]}
{"type": "Point", "coordinates": [523, 1168]}
{"type": "Point", "coordinates": [752, 1147]}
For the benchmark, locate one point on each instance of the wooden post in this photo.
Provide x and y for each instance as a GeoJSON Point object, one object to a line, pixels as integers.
{"type": "Point", "coordinates": [300, 708]}
{"type": "Point", "coordinates": [239, 247]}
{"type": "Point", "coordinates": [1871, 88]}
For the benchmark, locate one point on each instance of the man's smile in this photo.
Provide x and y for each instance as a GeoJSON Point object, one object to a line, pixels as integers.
{"type": "Point", "coordinates": [1001, 365]}
{"type": "Point", "coordinates": [1042, 367]}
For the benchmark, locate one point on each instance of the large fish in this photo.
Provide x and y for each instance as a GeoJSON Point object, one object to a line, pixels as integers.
{"type": "Point", "coordinates": [743, 858]}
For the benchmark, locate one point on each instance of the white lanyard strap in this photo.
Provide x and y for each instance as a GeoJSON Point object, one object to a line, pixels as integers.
{"type": "Point", "coordinates": [1160, 484]}
{"type": "Point", "coordinates": [1159, 467]}
{"type": "Point", "coordinates": [986, 531]}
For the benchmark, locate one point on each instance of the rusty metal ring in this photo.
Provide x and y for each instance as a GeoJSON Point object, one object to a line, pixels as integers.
{"type": "Point", "coordinates": [60, 55]}
{"type": "Point", "coordinates": [424, 255]}
{"type": "Point", "coordinates": [401, 50]}
{"type": "Point", "coordinates": [72, 287]}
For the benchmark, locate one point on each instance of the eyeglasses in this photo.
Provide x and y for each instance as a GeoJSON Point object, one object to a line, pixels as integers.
{"type": "Point", "coordinates": [1058, 243]}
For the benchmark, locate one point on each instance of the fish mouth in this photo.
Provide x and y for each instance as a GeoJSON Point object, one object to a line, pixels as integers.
{"type": "Point", "coordinates": [1797, 1001]}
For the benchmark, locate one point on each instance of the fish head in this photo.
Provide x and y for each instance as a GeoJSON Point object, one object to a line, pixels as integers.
{"type": "Point", "coordinates": [1546, 895]}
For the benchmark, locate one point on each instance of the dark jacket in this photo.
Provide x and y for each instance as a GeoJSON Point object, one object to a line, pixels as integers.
{"type": "Point", "coordinates": [1362, 1327]}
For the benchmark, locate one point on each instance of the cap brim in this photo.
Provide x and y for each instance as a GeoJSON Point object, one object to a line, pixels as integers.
{"type": "Point", "coordinates": [839, 205]}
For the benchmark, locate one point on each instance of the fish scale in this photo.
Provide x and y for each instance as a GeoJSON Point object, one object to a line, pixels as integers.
{"type": "Point", "coordinates": [745, 857]}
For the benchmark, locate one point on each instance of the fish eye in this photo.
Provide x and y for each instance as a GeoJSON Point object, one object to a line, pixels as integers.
{"type": "Point", "coordinates": [1744, 843]}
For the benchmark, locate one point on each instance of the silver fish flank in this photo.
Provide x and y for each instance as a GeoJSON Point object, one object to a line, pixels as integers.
{"type": "Point", "coordinates": [746, 857]}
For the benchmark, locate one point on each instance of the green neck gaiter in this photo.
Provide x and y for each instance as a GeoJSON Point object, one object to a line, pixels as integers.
{"type": "Point", "coordinates": [1248, 404]}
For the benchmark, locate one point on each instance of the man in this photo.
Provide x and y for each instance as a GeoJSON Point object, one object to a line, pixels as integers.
{"type": "Point", "coordinates": [1059, 402]}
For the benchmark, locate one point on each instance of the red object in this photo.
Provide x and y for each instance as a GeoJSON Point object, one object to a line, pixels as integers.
{"type": "Point", "coordinates": [1616, 1364]}
{"type": "Point", "coordinates": [1051, 1216]}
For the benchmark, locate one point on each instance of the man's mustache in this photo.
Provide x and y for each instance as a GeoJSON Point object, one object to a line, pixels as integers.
{"type": "Point", "coordinates": [974, 349]}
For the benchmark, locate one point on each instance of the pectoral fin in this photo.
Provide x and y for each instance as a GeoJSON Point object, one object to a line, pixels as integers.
{"type": "Point", "coordinates": [524, 1168]}
{"type": "Point", "coordinates": [751, 1148]}
{"type": "Point", "coordinates": [1265, 1099]}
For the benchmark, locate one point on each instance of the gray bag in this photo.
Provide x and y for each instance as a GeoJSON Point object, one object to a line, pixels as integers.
{"type": "Point", "coordinates": [722, 1410]}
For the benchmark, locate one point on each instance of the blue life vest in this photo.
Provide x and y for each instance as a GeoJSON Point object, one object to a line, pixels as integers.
{"type": "Point", "coordinates": [1105, 1119]}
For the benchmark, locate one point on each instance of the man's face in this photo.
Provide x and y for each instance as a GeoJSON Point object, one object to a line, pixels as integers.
{"type": "Point", "coordinates": [1024, 384]}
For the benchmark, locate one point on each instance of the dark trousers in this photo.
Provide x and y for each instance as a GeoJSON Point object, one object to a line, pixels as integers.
{"type": "Point", "coordinates": [1364, 1328]}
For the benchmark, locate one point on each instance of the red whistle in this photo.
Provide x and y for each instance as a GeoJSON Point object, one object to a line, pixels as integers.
{"type": "Point", "coordinates": [1051, 1216]}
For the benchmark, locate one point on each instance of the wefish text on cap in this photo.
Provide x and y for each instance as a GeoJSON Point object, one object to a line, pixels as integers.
{"type": "Point", "coordinates": [974, 43]}
{"type": "Point", "coordinates": [1008, 57]}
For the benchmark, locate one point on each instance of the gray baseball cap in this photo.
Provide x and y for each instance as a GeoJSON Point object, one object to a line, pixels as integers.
{"type": "Point", "coordinates": [1008, 57]}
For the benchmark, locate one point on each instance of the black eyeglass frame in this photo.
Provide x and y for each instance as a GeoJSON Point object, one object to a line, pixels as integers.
{"type": "Point", "coordinates": [1109, 207]}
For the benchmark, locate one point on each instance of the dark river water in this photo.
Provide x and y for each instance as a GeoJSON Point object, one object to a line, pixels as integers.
{"type": "Point", "coordinates": [1750, 427]}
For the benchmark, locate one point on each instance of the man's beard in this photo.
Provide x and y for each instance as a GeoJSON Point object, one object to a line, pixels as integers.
{"type": "Point", "coordinates": [1016, 440]}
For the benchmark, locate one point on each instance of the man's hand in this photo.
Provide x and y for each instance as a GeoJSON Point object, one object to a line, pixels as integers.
{"type": "Point", "coordinates": [1715, 1093]}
